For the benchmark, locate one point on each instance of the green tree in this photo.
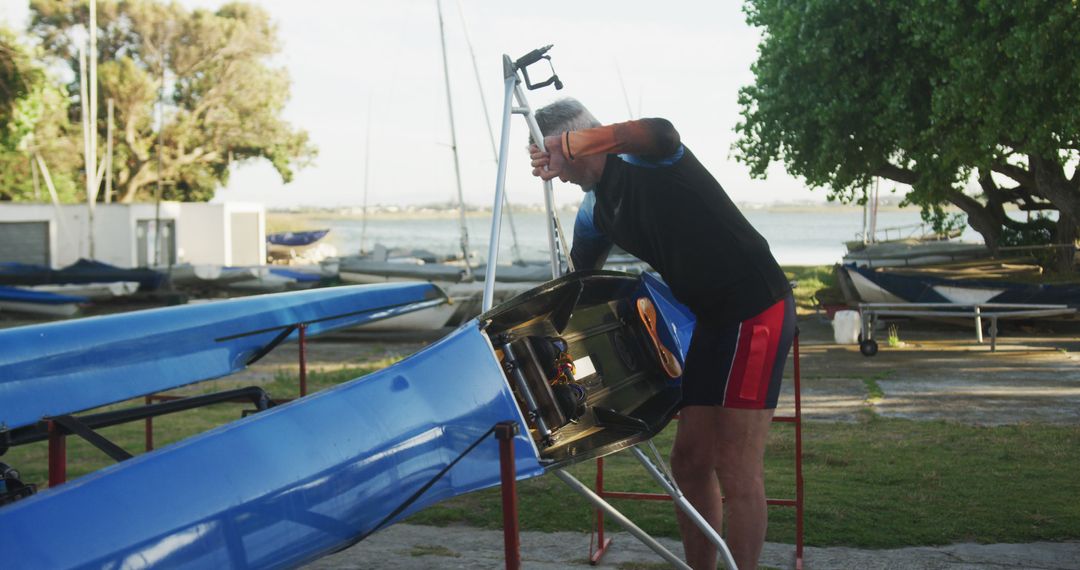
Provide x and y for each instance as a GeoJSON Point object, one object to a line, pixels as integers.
{"type": "Point", "coordinates": [925, 93]}
{"type": "Point", "coordinates": [33, 124]}
{"type": "Point", "coordinates": [223, 100]}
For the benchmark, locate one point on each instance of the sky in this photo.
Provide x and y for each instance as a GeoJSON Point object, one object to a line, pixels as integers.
{"type": "Point", "coordinates": [684, 61]}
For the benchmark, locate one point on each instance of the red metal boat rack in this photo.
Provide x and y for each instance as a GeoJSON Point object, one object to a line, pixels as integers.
{"type": "Point", "coordinates": [599, 544]}
{"type": "Point", "coordinates": [57, 435]}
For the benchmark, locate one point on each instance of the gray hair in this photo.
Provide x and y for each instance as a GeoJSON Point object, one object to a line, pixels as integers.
{"type": "Point", "coordinates": [564, 115]}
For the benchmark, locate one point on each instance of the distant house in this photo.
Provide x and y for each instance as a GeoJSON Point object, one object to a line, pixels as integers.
{"type": "Point", "coordinates": [125, 235]}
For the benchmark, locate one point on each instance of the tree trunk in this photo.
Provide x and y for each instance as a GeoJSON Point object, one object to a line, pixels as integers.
{"type": "Point", "coordinates": [980, 218]}
{"type": "Point", "coordinates": [1052, 184]}
{"type": "Point", "coordinates": [1065, 235]}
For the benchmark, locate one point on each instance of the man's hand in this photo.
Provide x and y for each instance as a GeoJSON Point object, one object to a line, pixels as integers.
{"type": "Point", "coordinates": [550, 164]}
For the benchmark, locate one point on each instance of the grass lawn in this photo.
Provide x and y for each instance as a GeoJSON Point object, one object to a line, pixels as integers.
{"type": "Point", "coordinates": [878, 483]}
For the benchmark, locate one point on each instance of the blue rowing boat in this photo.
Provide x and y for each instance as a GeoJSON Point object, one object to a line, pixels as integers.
{"type": "Point", "coordinates": [570, 361]}
{"type": "Point", "coordinates": [66, 367]}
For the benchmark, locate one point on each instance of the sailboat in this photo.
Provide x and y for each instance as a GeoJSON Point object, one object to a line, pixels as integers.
{"type": "Point", "coordinates": [457, 279]}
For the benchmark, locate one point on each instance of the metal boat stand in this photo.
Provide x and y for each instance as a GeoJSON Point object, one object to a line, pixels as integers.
{"type": "Point", "coordinates": [667, 482]}
{"type": "Point", "coordinates": [514, 72]}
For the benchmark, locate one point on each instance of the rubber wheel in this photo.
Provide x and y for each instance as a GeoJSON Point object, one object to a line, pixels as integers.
{"type": "Point", "coordinates": [868, 347]}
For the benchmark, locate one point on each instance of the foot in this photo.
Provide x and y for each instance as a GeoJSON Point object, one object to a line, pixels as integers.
{"type": "Point", "coordinates": [647, 312]}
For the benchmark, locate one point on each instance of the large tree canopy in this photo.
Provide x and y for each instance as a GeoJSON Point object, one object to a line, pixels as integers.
{"type": "Point", "coordinates": [33, 125]}
{"type": "Point", "coordinates": [930, 94]}
{"type": "Point", "coordinates": [223, 100]}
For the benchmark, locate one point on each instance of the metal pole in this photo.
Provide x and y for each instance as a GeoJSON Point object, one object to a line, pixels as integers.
{"type": "Point", "coordinates": [148, 428]}
{"type": "Point", "coordinates": [549, 200]}
{"type": "Point", "coordinates": [109, 151]}
{"type": "Point", "coordinates": [510, 81]}
{"type": "Point", "coordinates": [515, 250]}
{"type": "Point", "coordinates": [89, 163]}
{"type": "Point", "coordinates": [453, 146]}
{"type": "Point", "coordinates": [602, 543]}
{"type": "Point", "coordinates": [620, 518]}
{"type": "Point", "coordinates": [993, 333]}
{"type": "Point", "coordinates": [57, 455]}
{"type": "Point", "coordinates": [978, 324]}
{"type": "Point", "coordinates": [158, 191]}
{"type": "Point", "coordinates": [367, 171]}
{"type": "Point", "coordinates": [302, 331]}
{"type": "Point", "coordinates": [92, 122]}
{"type": "Point", "coordinates": [505, 432]}
{"type": "Point", "coordinates": [798, 461]}
{"type": "Point", "coordinates": [688, 509]}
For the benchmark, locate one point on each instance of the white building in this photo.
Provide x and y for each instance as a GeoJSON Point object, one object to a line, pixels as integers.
{"type": "Point", "coordinates": [125, 235]}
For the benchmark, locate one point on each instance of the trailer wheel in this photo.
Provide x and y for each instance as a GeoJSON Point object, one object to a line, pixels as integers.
{"type": "Point", "coordinates": [868, 347]}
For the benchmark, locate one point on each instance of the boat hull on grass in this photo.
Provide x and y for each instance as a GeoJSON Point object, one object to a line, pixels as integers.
{"type": "Point", "coordinates": [303, 480]}
{"type": "Point", "coordinates": [887, 287]}
{"type": "Point", "coordinates": [39, 302]}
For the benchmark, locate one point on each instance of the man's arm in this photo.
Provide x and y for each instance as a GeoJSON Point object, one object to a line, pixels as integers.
{"type": "Point", "coordinates": [651, 139]}
{"type": "Point", "coordinates": [648, 138]}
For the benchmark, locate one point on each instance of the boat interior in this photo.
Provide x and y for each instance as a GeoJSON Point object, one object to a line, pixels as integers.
{"type": "Point", "coordinates": [582, 366]}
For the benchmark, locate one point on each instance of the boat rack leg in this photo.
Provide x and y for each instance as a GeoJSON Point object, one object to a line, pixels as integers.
{"type": "Point", "coordinates": [56, 429]}
{"type": "Point", "coordinates": [505, 433]}
{"type": "Point", "coordinates": [978, 324]}
{"type": "Point", "coordinates": [993, 333]}
{"type": "Point", "coordinates": [668, 483]}
{"type": "Point", "coordinates": [600, 503]}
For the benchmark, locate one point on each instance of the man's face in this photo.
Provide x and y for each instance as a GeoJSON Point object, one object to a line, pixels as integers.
{"type": "Point", "coordinates": [585, 171]}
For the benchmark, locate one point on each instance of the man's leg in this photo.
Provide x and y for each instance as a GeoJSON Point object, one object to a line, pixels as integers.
{"type": "Point", "coordinates": [714, 442]}
{"type": "Point", "coordinates": [740, 455]}
{"type": "Point", "coordinates": [693, 463]}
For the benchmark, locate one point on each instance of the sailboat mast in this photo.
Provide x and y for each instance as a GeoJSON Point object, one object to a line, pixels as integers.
{"type": "Point", "coordinates": [453, 146]}
{"type": "Point", "coordinates": [515, 250]}
{"type": "Point", "coordinates": [367, 170]}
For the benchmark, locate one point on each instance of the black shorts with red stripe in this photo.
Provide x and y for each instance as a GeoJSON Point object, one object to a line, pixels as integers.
{"type": "Point", "coordinates": [740, 365]}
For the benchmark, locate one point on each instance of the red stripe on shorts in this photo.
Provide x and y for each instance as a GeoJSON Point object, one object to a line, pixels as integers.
{"type": "Point", "coordinates": [752, 368]}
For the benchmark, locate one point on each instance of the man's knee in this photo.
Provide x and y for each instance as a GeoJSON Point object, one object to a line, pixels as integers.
{"type": "Point", "coordinates": [692, 456]}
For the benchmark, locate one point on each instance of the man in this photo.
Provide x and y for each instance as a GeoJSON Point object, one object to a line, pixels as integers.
{"type": "Point", "coordinates": [647, 193]}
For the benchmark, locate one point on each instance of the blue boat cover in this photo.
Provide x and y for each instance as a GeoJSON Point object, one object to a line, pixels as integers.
{"type": "Point", "coordinates": [296, 238]}
{"type": "Point", "coordinates": [285, 486]}
{"type": "Point", "coordinates": [70, 366]}
{"type": "Point", "coordinates": [82, 271]}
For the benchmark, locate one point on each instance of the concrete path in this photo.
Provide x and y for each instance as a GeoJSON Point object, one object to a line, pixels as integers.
{"type": "Point", "coordinates": [413, 547]}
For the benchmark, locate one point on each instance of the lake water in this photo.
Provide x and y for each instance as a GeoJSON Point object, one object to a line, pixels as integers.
{"type": "Point", "coordinates": [797, 237]}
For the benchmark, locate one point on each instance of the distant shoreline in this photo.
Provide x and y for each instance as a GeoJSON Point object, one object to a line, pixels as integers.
{"type": "Point", "coordinates": [383, 212]}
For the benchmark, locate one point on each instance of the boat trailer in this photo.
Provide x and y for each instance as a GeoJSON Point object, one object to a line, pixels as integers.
{"type": "Point", "coordinates": [872, 312]}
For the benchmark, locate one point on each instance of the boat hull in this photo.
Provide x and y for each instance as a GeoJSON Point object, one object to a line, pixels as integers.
{"type": "Point", "coordinates": [288, 485]}
{"type": "Point", "coordinates": [66, 367]}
